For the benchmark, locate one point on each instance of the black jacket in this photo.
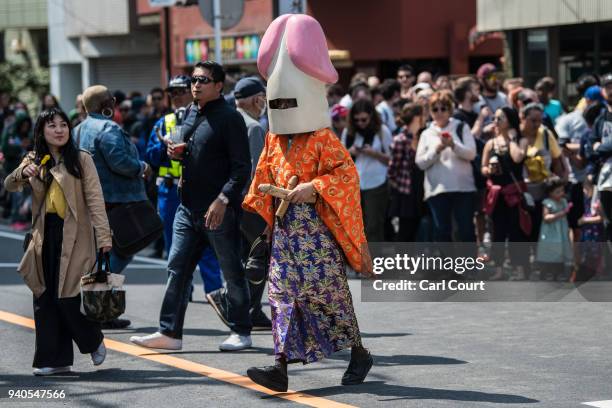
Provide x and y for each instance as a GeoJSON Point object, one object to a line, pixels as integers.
{"type": "Point", "coordinates": [217, 157]}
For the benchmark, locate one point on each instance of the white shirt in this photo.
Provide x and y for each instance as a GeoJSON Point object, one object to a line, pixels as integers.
{"type": "Point", "coordinates": [387, 115]}
{"type": "Point", "coordinates": [372, 173]}
{"type": "Point", "coordinates": [451, 170]}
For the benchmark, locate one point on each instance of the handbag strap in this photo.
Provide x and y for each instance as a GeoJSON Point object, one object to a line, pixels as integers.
{"type": "Point", "coordinates": [103, 270]}
{"type": "Point", "coordinates": [516, 183]}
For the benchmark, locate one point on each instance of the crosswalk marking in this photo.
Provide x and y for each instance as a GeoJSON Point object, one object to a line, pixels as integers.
{"type": "Point", "coordinates": [599, 404]}
{"type": "Point", "coordinates": [201, 369]}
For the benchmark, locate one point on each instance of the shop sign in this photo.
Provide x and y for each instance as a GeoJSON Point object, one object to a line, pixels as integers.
{"type": "Point", "coordinates": [235, 49]}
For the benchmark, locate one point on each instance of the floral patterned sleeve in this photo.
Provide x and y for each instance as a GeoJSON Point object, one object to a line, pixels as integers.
{"type": "Point", "coordinates": [337, 183]}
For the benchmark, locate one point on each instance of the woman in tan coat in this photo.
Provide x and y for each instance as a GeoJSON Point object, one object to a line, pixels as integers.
{"type": "Point", "coordinates": [69, 223]}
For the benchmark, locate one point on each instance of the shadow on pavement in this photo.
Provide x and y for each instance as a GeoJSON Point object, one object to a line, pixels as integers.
{"type": "Point", "coordinates": [252, 350]}
{"type": "Point", "coordinates": [186, 332]}
{"type": "Point", "coordinates": [379, 335]}
{"type": "Point", "coordinates": [382, 389]}
{"type": "Point", "coordinates": [397, 360]}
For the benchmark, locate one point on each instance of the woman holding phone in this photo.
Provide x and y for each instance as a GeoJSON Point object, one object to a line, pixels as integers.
{"type": "Point", "coordinates": [66, 202]}
{"type": "Point", "coordinates": [445, 151]}
{"type": "Point", "coordinates": [369, 143]}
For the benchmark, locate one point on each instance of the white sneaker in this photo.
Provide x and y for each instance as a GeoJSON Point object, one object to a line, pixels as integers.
{"type": "Point", "coordinates": [236, 342]}
{"type": "Point", "coordinates": [50, 370]}
{"type": "Point", "coordinates": [158, 341]}
{"type": "Point", "coordinates": [98, 356]}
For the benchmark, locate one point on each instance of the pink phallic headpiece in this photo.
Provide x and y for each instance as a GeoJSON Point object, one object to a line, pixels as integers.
{"type": "Point", "coordinates": [306, 46]}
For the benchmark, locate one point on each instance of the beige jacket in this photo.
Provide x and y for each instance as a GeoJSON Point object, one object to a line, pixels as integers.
{"type": "Point", "coordinates": [85, 211]}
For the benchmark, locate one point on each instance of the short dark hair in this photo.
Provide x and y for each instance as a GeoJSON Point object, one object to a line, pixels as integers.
{"type": "Point", "coordinates": [406, 68]}
{"type": "Point", "coordinates": [389, 87]}
{"type": "Point", "coordinates": [216, 70]}
{"type": "Point", "coordinates": [335, 90]}
{"type": "Point", "coordinates": [585, 81]}
{"type": "Point", "coordinates": [547, 84]}
{"type": "Point", "coordinates": [156, 90]}
{"type": "Point", "coordinates": [464, 85]}
{"type": "Point", "coordinates": [554, 183]}
{"type": "Point", "coordinates": [409, 112]}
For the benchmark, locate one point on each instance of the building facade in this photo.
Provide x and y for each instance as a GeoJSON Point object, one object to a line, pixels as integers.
{"type": "Point", "coordinates": [375, 37]}
{"type": "Point", "coordinates": [101, 42]}
{"type": "Point", "coordinates": [562, 39]}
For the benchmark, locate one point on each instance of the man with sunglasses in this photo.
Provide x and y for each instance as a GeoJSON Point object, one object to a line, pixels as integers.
{"type": "Point", "coordinates": [216, 164]}
{"type": "Point", "coordinates": [169, 173]}
{"type": "Point", "coordinates": [491, 96]}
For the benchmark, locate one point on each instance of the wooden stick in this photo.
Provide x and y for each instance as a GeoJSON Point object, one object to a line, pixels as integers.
{"type": "Point", "coordinates": [280, 192]}
{"type": "Point", "coordinates": [282, 208]}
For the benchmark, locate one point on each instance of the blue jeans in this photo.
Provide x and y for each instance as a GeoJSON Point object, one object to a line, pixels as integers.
{"type": "Point", "coordinates": [117, 263]}
{"type": "Point", "coordinates": [189, 239]}
{"type": "Point", "coordinates": [444, 207]}
{"type": "Point", "coordinates": [167, 204]}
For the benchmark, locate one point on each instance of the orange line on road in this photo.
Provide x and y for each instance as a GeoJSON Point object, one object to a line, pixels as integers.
{"type": "Point", "coordinates": [201, 369]}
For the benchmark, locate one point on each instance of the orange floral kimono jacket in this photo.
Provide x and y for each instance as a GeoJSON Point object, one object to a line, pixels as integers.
{"type": "Point", "coordinates": [319, 157]}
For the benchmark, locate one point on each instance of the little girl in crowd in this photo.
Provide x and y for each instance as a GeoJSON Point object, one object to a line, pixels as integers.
{"type": "Point", "coordinates": [592, 236]}
{"type": "Point", "coordinates": [554, 247]}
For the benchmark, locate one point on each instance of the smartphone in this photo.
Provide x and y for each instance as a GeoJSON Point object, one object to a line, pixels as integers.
{"type": "Point", "coordinates": [446, 135]}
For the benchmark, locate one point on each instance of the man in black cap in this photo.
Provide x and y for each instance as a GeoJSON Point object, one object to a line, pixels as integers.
{"type": "Point", "coordinates": [250, 97]}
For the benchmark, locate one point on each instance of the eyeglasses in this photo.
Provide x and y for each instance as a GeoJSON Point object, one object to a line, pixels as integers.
{"type": "Point", "coordinates": [404, 76]}
{"type": "Point", "coordinates": [157, 98]}
{"type": "Point", "coordinates": [201, 79]}
{"type": "Point", "coordinates": [442, 109]}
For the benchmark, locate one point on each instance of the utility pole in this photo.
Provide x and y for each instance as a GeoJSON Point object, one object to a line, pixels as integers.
{"type": "Point", "coordinates": [217, 17]}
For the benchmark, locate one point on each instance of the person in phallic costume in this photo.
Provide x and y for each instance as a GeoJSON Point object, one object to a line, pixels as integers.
{"type": "Point", "coordinates": [312, 307]}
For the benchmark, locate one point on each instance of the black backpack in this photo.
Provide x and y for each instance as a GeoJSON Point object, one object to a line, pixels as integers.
{"type": "Point", "coordinates": [479, 180]}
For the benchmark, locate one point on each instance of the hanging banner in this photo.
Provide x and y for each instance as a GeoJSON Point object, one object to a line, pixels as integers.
{"type": "Point", "coordinates": [235, 50]}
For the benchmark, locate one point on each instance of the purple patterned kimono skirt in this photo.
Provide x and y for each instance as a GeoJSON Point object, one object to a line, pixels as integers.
{"type": "Point", "coordinates": [312, 307]}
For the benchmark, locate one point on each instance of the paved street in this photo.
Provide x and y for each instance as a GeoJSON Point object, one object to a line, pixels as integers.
{"type": "Point", "coordinates": [426, 354]}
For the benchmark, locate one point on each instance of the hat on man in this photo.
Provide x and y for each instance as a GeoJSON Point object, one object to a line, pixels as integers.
{"type": "Point", "coordinates": [339, 111]}
{"type": "Point", "coordinates": [593, 93]}
{"type": "Point", "coordinates": [248, 87]}
{"type": "Point", "coordinates": [179, 82]}
{"type": "Point", "coordinates": [485, 70]}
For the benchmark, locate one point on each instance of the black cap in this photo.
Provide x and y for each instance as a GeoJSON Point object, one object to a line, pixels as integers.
{"type": "Point", "coordinates": [179, 81]}
{"type": "Point", "coordinates": [606, 79]}
{"type": "Point", "coordinates": [248, 87]}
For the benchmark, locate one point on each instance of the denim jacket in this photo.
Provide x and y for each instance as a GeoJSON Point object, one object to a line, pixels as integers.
{"type": "Point", "coordinates": [115, 157]}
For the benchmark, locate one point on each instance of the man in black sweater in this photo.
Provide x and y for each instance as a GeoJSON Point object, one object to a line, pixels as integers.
{"type": "Point", "coordinates": [216, 166]}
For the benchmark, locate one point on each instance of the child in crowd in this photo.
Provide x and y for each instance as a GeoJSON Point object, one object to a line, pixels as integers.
{"type": "Point", "coordinates": [591, 237]}
{"type": "Point", "coordinates": [554, 247]}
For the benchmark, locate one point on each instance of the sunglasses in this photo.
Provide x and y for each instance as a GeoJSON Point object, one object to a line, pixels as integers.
{"type": "Point", "coordinates": [441, 109]}
{"type": "Point", "coordinates": [201, 79]}
{"type": "Point", "coordinates": [361, 120]}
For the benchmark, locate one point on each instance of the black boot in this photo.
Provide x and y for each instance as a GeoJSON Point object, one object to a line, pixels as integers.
{"type": "Point", "coordinates": [272, 377]}
{"type": "Point", "coordinates": [361, 362]}
{"type": "Point", "coordinates": [116, 324]}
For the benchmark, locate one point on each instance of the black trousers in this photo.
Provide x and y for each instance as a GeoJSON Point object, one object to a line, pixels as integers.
{"type": "Point", "coordinates": [506, 226]}
{"type": "Point", "coordinates": [59, 321]}
{"type": "Point", "coordinates": [251, 227]}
